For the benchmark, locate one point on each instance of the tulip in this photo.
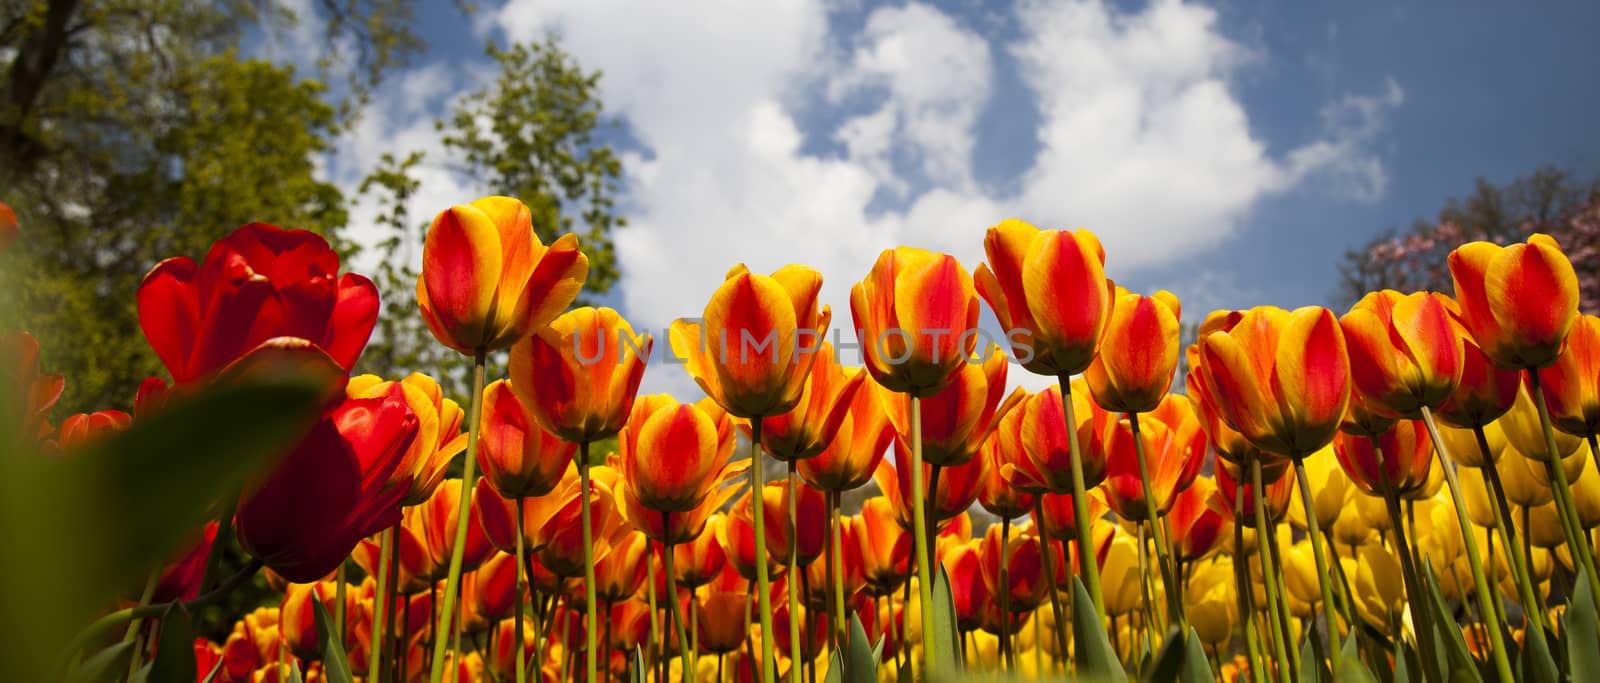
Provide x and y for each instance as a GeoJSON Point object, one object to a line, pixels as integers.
{"type": "Point", "coordinates": [1211, 603]}
{"type": "Point", "coordinates": [885, 548]}
{"type": "Point", "coordinates": [298, 625]}
{"type": "Point", "coordinates": [702, 559]}
{"type": "Point", "coordinates": [1571, 385]}
{"type": "Point", "coordinates": [1404, 353]}
{"type": "Point", "coordinates": [1175, 448]}
{"type": "Point", "coordinates": [488, 282]}
{"type": "Point", "coordinates": [619, 566]}
{"type": "Point", "coordinates": [1401, 467]}
{"type": "Point", "coordinates": [331, 491]}
{"type": "Point", "coordinates": [257, 283]}
{"type": "Point", "coordinates": [434, 524]}
{"type": "Point", "coordinates": [958, 490]}
{"type": "Point", "coordinates": [722, 625]}
{"type": "Point", "coordinates": [806, 539]}
{"type": "Point", "coordinates": [1485, 391]}
{"type": "Point", "coordinates": [1139, 353]}
{"type": "Point", "coordinates": [578, 378]}
{"type": "Point", "coordinates": [8, 227]}
{"type": "Point", "coordinates": [1196, 526]}
{"type": "Point", "coordinates": [30, 395]}
{"type": "Point", "coordinates": [995, 494]}
{"type": "Point", "coordinates": [492, 591]}
{"type": "Point", "coordinates": [439, 438]}
{"type": "Point", "coordinates": [82, 429]}
{"type": "Point", "coordinates": [969, 588]}
{"type": "Point", "coordinates": [180, 580]}
{"type": "Point", "coordinates": [1519, 301]}
{"type": "Point", "coordinates": [957, 420]}
{"type": "Point", "coordinates": [1014, 569]}
{"type": "Point", "coordinates": [863, 436]}
{"type": "Point", "coordinates": [519, 457]}
{"type": "Point", "coordinates": [1124, 592]}
{"type": "Point", "coordinates": [1377, 596]}
{"type": "Point", "coordinates": [1047, 444]}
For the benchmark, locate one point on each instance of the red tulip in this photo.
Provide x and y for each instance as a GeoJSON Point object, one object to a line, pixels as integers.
{"type": "Point", "coordinates": [257, 283]}
{"type": "Point", "coordinates": [1058, 520]}
{"type": "Point", "coordinates": [885, 548]}
{"type": "Point", "coordinates": [957, 489]}
{"type": "Point", "coordinates": [82, 429]}
{"type": "Point", "coordinates": [969, 588]}
{"type": "Point", "coordinates": [488, 282]}
{"type": "Point", "coordinates": [1027, 586]}
{"type": "Point", "coordinates": [578, 377]}
{"type": "Point", "coordinates": [859, 444]}
{"type": "Point", "coordinates": [1571, 385]}
{"type": "Point", "coordinates": [332, 490]}
{"type": "Point", "coordinates": [738, 538]}
{"type": "Point", "coordinates": [490, 591]}
{"type": "Point", "coordinates": [1485, 392]}
{"type": "Point", "coordinates": [1041, 428]}
{"type": "Point", "coordinates": [1519, 301]}
{"type": "Point", "coordinates": [1404, 354]}
{"type": "Point", "coordinates": [699, 561]}
{"type": "Point", "coordinates": [806, 431]}
{"type": "Point", "coordinates": [1196, 526]}
{"type": "Point", "coordinates": [812, 513]}
{"type": "Point", "coordinates": [996, 494]}
{"type": "Point", "coordinates": [180, 580]}
{"type": "Point", "coordinates": [957, 420]}
{"type": "Point", "coordinates": [439, 436]}
{"type": "Point", "coordinates": [434, 524]}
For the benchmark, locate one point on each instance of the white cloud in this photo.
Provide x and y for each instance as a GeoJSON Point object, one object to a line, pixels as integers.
{"type": "Point", "coordinates": [1141, 137]}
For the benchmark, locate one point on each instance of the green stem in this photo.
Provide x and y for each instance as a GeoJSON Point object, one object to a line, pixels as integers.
{"type": "Point", "coordinates": [1344, 581]}
{"type": "Point", "coordinates": [1087, 566]}
{"type": "Point", "coordinates": [1163, 547]}
{"type": "Point", "coordinates": [685, 655]}
{"type": "Point", "coordinates": [1280, 648]}
{"type": "Point", "coordinates": [1508, 538]}
{"type": "Point", "coordinates": [1577, 541]}
{"type": "Point", "coordinates": [659, 648]}
{"type": "Point", "coordinates": [1045, 554]}
{"type": "Point", "coordinates": [1502, 663]}
{"type": "Point", "coordinates": [796, 581]}
{"type": "Point", "coordinates": [338, 607]}
{"type": "Point", "coordinates": [920, 529]}
{"type": "Point", "coordinates": [380, 605]}
{"type": "Point", "coordinates": [1322, 565]}
{"type": "Point", "coordinates": [146, 611]}
{"type": "Point", "coordinates": [135, 628]}
{"type": "Point", "coordinates": [1006, 659]}
{"type": "Point", "coordinates": [591, 636]}
{"type": "Point", "coordinates": [836, 565]}
{"type": "Point", "coordinates": [522, 592]}
{"type": "Point", "coordinates": [1417, 599]}
{"type": "Point", "coordinates": [1285, 626]}
{"type": "Point", "coordinates": [463, 516]}
{"type": "Point", "coordinates": [1244, 589]}
{"type": "Point", "coordinates": [769, 657]}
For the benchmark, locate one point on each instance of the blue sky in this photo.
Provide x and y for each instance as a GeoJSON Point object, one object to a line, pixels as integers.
{"type": "Point", "coordinates": [1229, 152]}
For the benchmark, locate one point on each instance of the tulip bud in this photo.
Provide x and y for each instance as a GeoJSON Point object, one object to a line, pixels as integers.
{"type": "Point", "coordinates": [1050, 293]}
{"type": "Point", "coordinates": [1280, 378]}
{"type": "Point", "coordinates": [1138, 354]}
{"type": "Point", "coordinates": [578, 377]}
{"type": "Point", "coordinates": [915, 311]}
{"type": "Point", "coordinates": [1404, 354]}
{"type": "Point", "coordinates": [1519, 301]}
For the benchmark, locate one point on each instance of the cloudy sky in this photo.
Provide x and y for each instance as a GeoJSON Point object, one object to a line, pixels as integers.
{"type": "Point", "coordinates": [1228, 152]}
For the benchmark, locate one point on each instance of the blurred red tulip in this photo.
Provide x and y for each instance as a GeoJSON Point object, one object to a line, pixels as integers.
{"type": "Point", "coordinates": [257, 283]}
{"type": "Point", "coordinates": [29, 394]}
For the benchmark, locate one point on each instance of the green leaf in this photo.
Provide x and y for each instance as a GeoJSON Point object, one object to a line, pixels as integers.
{"type": "Point", "coordinates": [637, 673]}
{"type": "Point", "coordinates": [1535, 660]}
{"type": "Point", "coordinates": [294, 672]}
{"type": "Point", "coordinates": [1402, 663]}
{"type": "Point", "coordinates": [1196, 666]}
{"type": "Point", "coordinates": [1310, 664]}
{"type": "Point", "coordinates": [860, 661]}
{"type": "Point", "coordinates": [335, 666]}
{"type": "Point", "coordinates": [104, 666]}
{"type": "Point", "coordinates": [1581, 627]}
{"type": "Point", "coordinates": [945, 633]}
{"type": "Point", "coordinates": [1351, 668]}
{"type": "Point", "coordinates": [174, 660]}
{"type": "Point", "coordinates": [215, 669]}
{"type": "Point", "coordinates": [125, 504]}
{"type": "Point", "coordinates": [1461, 665]}
{"type": "Point", "coordinates": [1168, 660]}
{"type": "Point", "coordinates": [1092, 650]}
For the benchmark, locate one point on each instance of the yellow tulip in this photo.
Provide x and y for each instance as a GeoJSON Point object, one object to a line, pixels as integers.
{"type": "Point", "coordinates": [1380, 596]}
{"type": "Point", "coordinates": [1211, 602]}
{"type": "Point", "coordinates": [1525, 434]}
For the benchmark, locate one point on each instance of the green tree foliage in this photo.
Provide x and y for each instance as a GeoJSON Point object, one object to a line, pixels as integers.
{"type": "Point", "coordinates": [531, 134]}
{"type": "Point", "coordinates": [1551, 200]}
{"type": "Point", "coordinates": [134, 130]}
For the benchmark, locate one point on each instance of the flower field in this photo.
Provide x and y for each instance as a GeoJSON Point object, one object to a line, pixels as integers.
{"type": "Point", "coordinates": [1406, 491]}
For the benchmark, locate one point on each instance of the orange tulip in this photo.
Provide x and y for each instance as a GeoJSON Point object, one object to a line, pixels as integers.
{"type": "Point", "coordinates": [806, 431]}
{"type": "Point", "coordinates": [1485, 392]}
{"type": "Point", "coordinates": [914, 313]}
{"type": "Point", "coordinates": [852, 580]}
{"type": "Point", "coordinates": [857, 447]}
{"type": "Point", "coordinates": [1404, 354]}
{"type": "Point", "coordinates": [1196, 526]}
{"type": "Point", "coordinates": [491, 591]}
{"type": "Point", "coordinates": [578, 377]}
{"type": "Point", "coordinates": [1050, 293]}
{"type": "Point", "coordinates": [956, 421]}
{"type": "Point", "coordinates": [1571, 385]}
{"type": "Point", "coordinates": [1175, 448]}
{"type": "Point", "coordinates": [1519, 301]}
{"type": "Point", "coordinates": [518, 456]}
{"type": "Point", "coordinates": [1277, 496]}
{"type": "Point", "coordinates": [995, 494]}
{"type": "Point", "coordinates": [1138, 354]}
{"type": "Point", "coordinates": [812, 515]}
{"type": "Point", "coordinates": [434, 524]}
{"type": "Point", "coordinates": [685, 526]}
{"type": "Point", "coordinates": [542, 515]}
{"type": "Point", "coordinates": [1407, 455]}
{"type": "Point", "coordinates": [1280, 378]}
{"type": "Point", "coordinates": [699, 561]}
{"type": "Point", "coordinates": [722, 623]}
{"type": "Point", "coordinates": [1233, 450]}
{"type": "Point", "coordinates": [671, 451]}
{"type": "Point", "coordinates": [750, 354]}
{"type": "Point", "coordinates": [560, 545]}
{"type": "Point", "coordinates": [957, 490]}
{"type": "Point", "coordinates": [620, 565]}
{"type": "Point", "coordinates": [29, 394]}
{"type": "Point", "coordinates": [885, 548]}
{"type": "Point", "coordinates": [415, 562]}
{"type": "Point", "coordinates": [738, 538]}
{"type": "Point", "coordinates": [1027, 587]}
{"type": "Point", "coordinates": [1057, 518]}
{"type": "Point", "coordinates": [439, 437]}
{"type": "Point", "coordinates": [488, 282]}
{"type": "Point", "coordinates": [813, 629]}
{"type": "Point", "coordinates": [969, 587]}
{"type": "Point", "coordinates": [1041, 428]}
{"type": "Point", "coordinates": [296, 618]}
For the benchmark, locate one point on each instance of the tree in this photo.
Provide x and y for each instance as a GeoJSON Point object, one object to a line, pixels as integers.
{"type": "Point", "coordinates": [1551, 200]}
{"type": "Point", "coordinates": [133, 130]}
{"type": "Point", "coordinates": [530, 135]}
